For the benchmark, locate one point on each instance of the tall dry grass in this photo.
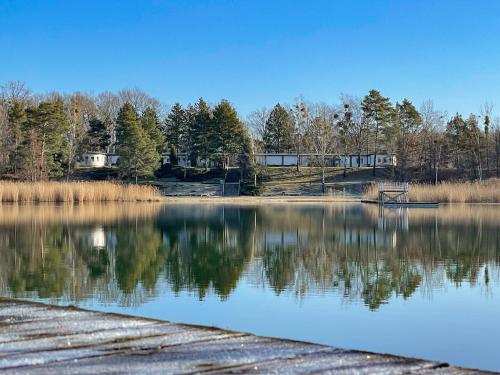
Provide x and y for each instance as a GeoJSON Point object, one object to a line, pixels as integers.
{"type": "Point", "coordinates": [77, 192]}
{"type": "Point", "coordinates": [450, 192]}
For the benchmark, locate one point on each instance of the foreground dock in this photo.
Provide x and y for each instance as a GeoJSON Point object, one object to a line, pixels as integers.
{"type": "Point", "coordinates": [44, 339]}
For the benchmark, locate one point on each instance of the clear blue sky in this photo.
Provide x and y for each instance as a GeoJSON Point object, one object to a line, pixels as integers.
{"type": "Point", "coordinates": [255, 52]}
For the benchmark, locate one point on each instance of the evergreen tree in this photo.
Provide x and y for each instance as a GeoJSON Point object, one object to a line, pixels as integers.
{"type": "Point", "coordinates": [177, 129]}
{"type": "Point", "coordinates": [44, 148]}
{"type": "Point", "coordinates": [151, 125]}
{"type": "Point", "coordinates": [228, 132]}
{"type": "Point", "coordinates": [379, 113]}
{"type": "Point", "coordinates": [138, 154]}
{"type": "Point", "coordinates": [463, 141]}
{"type": "Point", "coordinates": [278, 134]}
{"type": "Point", "coordinates": [98, 137]}
{"type": "Point", "coordinates": [201, 133]}
{"type": "Point", "coordinates": [17, 124]}
{"type": "Point", "coordinates": [407, 125]}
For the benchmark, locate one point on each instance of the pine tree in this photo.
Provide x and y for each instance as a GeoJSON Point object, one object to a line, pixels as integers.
{"type": "Point", "coordinates": [278, 135]}
{"type": "Point", "coordinates": [228, 132]}
{"type": "Point", "coordinates": [201, 134]}
{"type": "Point", "coordinates": [17, 122]}
{"type": "Point", "coordinates": [138, 154]}
{"type": "Point", "coordinates": [461, 142]}
{"type": "Point", "coordinates": [98, 138]}
{"type": "Point", "coordinates": [379, 112]}
{"type": "Point", "coordinates": [406, 127]}
{"type": "Point", "coordinates": [177, 129]}
{"type": "Point", "coordinates": [151, 125]}
{"type": "Point", "coordinates": [45, 150]}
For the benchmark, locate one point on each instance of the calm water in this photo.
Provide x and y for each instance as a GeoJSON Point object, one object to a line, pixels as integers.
{"type": "Point", "coordinates": [421, 282]}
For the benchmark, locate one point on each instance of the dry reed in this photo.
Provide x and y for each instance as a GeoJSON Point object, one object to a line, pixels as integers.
{"type": "Point", "coordinates": [450, 192]}
{"type": "Point", "coordinates": [77, 192]}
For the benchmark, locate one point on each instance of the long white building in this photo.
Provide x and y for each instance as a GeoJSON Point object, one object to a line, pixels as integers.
{"type": "Point", "coordinates": [332, 160]}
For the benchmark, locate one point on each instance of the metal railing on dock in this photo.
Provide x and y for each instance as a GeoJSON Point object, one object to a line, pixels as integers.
{"type": "Point", "coordinates": [393, 192]}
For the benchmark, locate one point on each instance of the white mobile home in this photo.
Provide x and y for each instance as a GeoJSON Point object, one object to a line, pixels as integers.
{"type": "Point", "coordinates": [93, 159]}
{"type": "Point", "coordinates": [287, 159]}
{"type": "Point", "coordinates": [98, 159]}
{"type": "Point", "coordinates": [332, 160]}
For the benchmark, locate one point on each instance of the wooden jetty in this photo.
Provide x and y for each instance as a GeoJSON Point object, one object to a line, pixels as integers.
{"type": "Point", "coordinates": [43, 339]}
{"type": "Point", "coordinates": [395, 195]}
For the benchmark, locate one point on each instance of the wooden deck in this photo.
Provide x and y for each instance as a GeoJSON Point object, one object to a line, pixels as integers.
{"type": "Point", "coordinates": [43, 339]}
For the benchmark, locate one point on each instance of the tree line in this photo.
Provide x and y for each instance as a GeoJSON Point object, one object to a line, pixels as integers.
{"type": "Point", "coordinates": [43, 136]}
{"type": "Point", "coordinates": [424, 141]}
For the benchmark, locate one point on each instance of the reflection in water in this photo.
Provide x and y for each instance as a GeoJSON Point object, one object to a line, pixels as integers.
{"type": "Point", "coordinates": [121, 253]}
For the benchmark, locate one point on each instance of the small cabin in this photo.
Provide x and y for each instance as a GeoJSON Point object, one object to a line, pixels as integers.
{"type": "Point", "coordinates": [93, 159]}
{"type": "Point", "coordinates": [98, 160]}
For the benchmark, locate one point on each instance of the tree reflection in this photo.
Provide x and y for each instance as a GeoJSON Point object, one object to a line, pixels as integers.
{"type": "Point", "coordinates": [348, 250]}
{"type": "Point", "coordinates": [211, 250]}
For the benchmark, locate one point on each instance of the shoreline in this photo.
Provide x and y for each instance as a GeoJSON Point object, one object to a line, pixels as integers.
{"type": "Point", "coordinates": [316, 199]}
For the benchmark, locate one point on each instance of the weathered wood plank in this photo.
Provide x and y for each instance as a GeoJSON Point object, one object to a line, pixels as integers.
{"type": "Point", "coordinates": [43, 339]}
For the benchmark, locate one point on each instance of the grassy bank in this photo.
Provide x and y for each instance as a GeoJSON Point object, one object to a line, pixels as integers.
{"type": "Point", "coordinates": [26, 192]}
{"type": "Point", "coordinates": [451, 192]}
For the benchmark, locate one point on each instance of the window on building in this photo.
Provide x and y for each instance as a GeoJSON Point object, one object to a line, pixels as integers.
{"type": "Point", "coordinates": [92, 158]}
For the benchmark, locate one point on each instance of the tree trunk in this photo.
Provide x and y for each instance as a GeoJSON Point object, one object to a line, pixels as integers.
{"type": "Point", "coordinates": [345, 161]}
{"type": "Point", "coordinates": [323, 177]}
{"type": "Point", "coordinates": [375, 151]}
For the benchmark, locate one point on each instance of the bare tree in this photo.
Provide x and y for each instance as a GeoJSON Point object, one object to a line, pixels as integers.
{"type": "Point", "coordinates": [358, 127]}
{"type": "Point", "coordinates": [80, 109]}
{"type": "Point", "coordinates": [430, 143]}
{"type": "Point", "coordinates": [15, 91]}
{"type": "Point", "coordinates": [108, 105]}
{"type": "Point", "coordinates": [320, 134]}
{"type": "Point", "coordinates": [139, 99]}
{"type": "Point", "coordinates": [300, 112]}
{"type": "Point", "coordinates": [256, 123]}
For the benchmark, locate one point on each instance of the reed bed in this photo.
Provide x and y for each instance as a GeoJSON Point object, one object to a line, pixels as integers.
{"type": "Point", "coordinates": [450, 192]}
{"type": "Point", "coordinates": [75, 192]}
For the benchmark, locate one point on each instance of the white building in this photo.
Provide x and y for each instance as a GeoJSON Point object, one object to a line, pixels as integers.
{"type": "Point", "coordinates": [98, 159]}
{"type": "Point", "coordinates": [305, 160]}
{"type": "Point", "coordinates": [367, 160]}
{"type": "Point", "coordinates": [332, 160]}
{"type": "Point", "coordinates": [288, 159]}
{"type": "Point", "coordinates": [93, 159]}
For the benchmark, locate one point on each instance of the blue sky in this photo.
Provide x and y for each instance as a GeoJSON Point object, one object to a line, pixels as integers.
{"type": "Point", "coordinates": [256, 53]}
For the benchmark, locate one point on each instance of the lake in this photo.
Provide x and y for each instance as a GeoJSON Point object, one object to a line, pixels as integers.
{"type": "Point", "coordinates": [416, 282]}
